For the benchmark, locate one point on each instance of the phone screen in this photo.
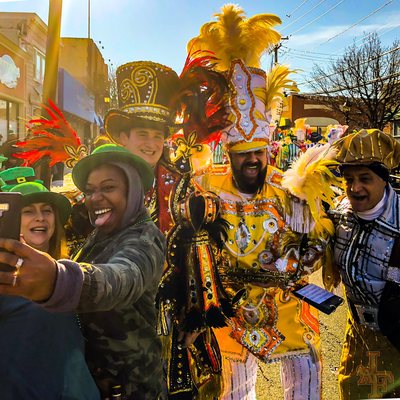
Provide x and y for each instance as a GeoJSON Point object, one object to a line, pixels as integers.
{"type": "Point", "coordinates": [10, 218]}
{"type": "Point", "coordinates": [319, 298]}
{"type": "Point", "coordinates": [315, 293]}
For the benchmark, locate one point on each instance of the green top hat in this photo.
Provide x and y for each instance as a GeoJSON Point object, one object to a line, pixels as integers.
{"type": "Point", "coordinates": [145, 91]}
{"type": "Point", "coordinates": [107, 154]}
{"type": "Point", "coordinates": [14, 176]}
{"type": "Point", "coordinates": [34, 192]}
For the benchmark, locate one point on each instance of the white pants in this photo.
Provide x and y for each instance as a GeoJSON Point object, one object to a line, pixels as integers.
{"type": "Point", "coordinates": [239, 379]}
{"type": "Point", "coordinates": [300, 376]}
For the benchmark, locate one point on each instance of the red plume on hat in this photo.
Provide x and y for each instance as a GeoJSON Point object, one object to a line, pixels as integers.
{"type": "Point", "coordinates": [54, 138]}
{"type": "Point", "coordinates": [199, 103]}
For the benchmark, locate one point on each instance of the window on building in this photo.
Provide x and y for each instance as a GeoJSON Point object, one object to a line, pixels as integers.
{"type": "Point", "coordinates": [9, 123]}
{"type": "Point", "coordinates": [39, 66]}
{"type": "Point", "coordinates": [396, 129]}
{"type": "Point", "coordinates": [3, 120]}
{"type": "Point", "coordinates": [13, 111]}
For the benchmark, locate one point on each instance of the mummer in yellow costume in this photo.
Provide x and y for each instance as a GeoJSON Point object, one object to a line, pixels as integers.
{"type": "Point", "coordinates": [277, 227]}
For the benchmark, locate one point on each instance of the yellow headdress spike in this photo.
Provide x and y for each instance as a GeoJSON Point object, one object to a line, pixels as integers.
{"type": "Point", "coordinates": [276, 82]}
{"type": "Point", "coordinates": [233, 36]}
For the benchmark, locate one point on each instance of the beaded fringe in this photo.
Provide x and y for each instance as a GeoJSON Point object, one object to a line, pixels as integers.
{"type": "Point", "coordinates": [300, 219]}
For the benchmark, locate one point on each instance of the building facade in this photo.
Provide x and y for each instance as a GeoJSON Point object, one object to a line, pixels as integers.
{"type": "Point", "coordinates": [82, 86]}
{"type": "Point", "coordinates": [317, 115]}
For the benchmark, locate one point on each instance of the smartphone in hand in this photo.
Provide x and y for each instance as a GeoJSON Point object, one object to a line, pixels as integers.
{"type": "Point", "coordinates": [10, 218]}
{"type": "Point", "coordinates": [318, 297]}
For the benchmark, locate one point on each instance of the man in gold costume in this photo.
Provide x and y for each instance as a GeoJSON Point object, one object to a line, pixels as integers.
{"type": "Point", "coordinates": [277, 231]}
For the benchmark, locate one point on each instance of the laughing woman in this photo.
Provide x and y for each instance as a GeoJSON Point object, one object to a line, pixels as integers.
{"type": "Point", "coordinates": [114, 279]}
{"type": "Point", "coordinates": [42, 353]}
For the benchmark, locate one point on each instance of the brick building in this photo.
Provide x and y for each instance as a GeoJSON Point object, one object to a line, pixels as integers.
{"type": "Point", "coordinates": [82, 80]}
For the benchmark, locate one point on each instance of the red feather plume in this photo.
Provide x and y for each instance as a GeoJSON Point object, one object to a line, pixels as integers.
{"type": "Point", "coordinates": [200, 102]}
{"type": "Point", "coordinates": [54, 138]}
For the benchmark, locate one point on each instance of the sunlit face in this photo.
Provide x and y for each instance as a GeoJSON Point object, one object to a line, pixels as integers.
{"type": "Point", "coordinates": [38, 225]}
{"type": "Point", "coordinates": [106, 197]}
{"type": "Point", "coordinates": [146, 143]}
{"type": "Point", "coordinates": [364, 188]}
{"type": "Point", "coordinates": [249, 169]}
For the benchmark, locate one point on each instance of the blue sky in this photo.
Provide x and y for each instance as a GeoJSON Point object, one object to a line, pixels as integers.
{"type": "Point", "coordinates": [158, 30]}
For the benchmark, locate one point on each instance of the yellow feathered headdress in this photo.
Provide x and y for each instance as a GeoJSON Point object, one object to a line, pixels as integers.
{"type": "Point", "coordinates": [277, 81]}
{"type": "Point", "coordinates": [238, 43]}
{"type": "Point", "coordinates": [233, 36]}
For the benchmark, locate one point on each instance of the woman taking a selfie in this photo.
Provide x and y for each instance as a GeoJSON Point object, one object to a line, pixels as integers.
{"type": "Point", "coordinates": [42, 352]}
{"type": "Point", "coordinates": [114, 279]}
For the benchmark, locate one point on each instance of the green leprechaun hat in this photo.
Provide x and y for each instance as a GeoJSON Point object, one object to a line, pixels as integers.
{"type": "Point", "coordinates": [109, 153]}
{"type": "Point", "coordinates": [35, 192]}
{"type": "Point", "coordinates": [14, 176]}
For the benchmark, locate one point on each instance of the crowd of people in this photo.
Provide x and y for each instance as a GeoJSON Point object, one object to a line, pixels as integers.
{"type": "Point", "coordinates": [186, 277]}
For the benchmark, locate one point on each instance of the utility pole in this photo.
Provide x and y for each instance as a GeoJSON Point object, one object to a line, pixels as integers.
{"type": "Point", "coordinates": [277, 47]}
{"type": "Point", "coordinates": [280, 107]}
{"type": "Point", "coordinates": [50, 74]}
{"type": "Point", "coordinates": [88, 31]}
{"type": "Point", "coordinates": [52, 51]}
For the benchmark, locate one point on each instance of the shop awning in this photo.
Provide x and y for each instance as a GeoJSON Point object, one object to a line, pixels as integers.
{"type": "Point", "coordinates": [74, 98]}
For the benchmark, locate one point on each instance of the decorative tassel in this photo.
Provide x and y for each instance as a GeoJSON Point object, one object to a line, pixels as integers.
{"type": "Point", "coordinates": [299, 219]}
{"type": "Point", "coordinates": [203, 306]}
{"type": "Point", "coordinates": [206, 365]}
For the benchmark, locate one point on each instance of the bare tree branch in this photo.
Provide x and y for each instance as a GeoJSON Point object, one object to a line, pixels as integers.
{"type": "Point", "coordinates": [368, 76]}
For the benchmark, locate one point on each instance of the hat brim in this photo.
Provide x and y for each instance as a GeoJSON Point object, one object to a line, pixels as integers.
{"type": "Point", "coordinates": [117, 121]}
{"type": "Point", "coordinates": [246, 147]}
{"type": "Point", "coordinates": [55, 199]}
{"type": "Point", "coordinates": [361, 163]}
{"type": "Point", "coordinates": [84, 166]}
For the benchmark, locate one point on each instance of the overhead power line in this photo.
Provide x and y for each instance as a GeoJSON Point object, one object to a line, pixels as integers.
{"type": "Point", "coordinates": [316, 19]}
{"type": "Point", "coordinates": [341, 89]}
{"type": "Point", "coordinates": [364, 62]}
{"type": "Point", "coordinates": [302, 16]}
{"type": "Point", "coordinates": [358, 22]}
{"type": "Point", "coordinates": [309, 58]}
{"type": "Point", "coordinates": [376, 31]}
{"type": "Point", "coordinates": [305, 56]}
{"type": "Point", "coordinates": [290, 14]}
{"type": "Point", "coordinates": [289, 49]}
